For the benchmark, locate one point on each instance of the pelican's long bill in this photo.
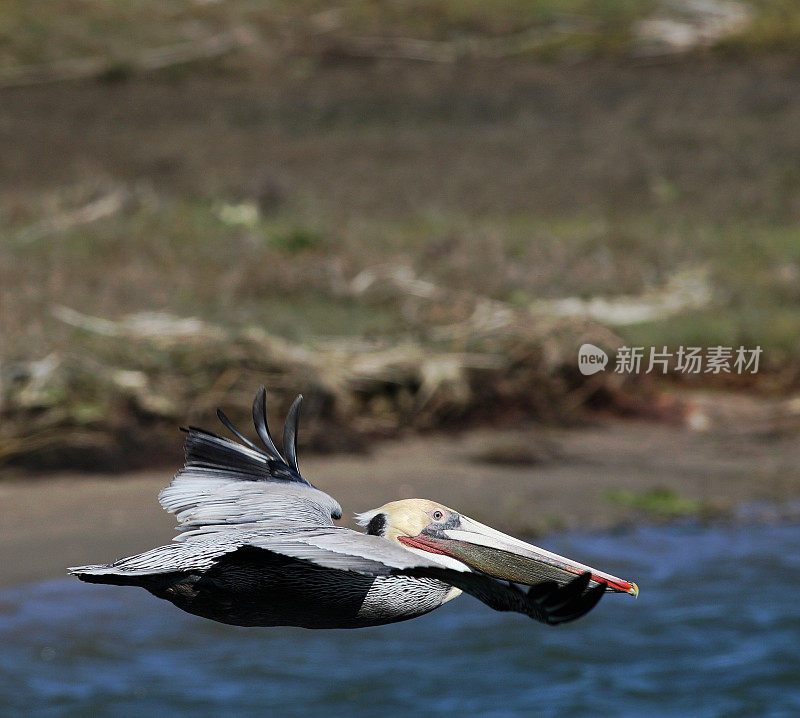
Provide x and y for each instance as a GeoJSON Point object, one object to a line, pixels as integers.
{"type": "Point", "coordinates": [504, 557]}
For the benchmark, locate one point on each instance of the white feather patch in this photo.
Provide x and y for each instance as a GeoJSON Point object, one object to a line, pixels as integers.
{"type": "Point", "coordinates": [364, 518]}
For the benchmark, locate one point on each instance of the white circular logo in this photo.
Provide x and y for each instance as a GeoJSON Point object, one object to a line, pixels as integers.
{"type": "Point", "coordinates": [591, 359]}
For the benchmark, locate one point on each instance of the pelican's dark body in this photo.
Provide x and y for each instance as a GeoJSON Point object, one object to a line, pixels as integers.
{"type": "Point", "coordinates": [252, 587]}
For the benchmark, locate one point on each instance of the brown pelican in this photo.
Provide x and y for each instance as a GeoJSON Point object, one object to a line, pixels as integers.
{"type": "Point", "coordinates": [258, 547]}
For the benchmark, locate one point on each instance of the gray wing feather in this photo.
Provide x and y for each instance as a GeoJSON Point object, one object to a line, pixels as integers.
{"type": "Point", "coordinates": [201, 501]}
{"type": "Point", "coordinates": [344, 549]}
{"type": "Point", "coordinates": [164, 559]}
{"type": "Point", "coordinates": [225, 483]}
{"type": "Point", "coordinates": [332, 547]}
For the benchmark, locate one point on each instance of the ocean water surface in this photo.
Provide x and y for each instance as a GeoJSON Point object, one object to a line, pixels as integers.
{"type": "Point", "coordinates": [715, 632]}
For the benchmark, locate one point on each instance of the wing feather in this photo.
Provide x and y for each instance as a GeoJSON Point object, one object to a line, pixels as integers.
{"type": "Point", "coordinates": [290, 433]}
{"type": "Point", "coordinates": [224, 483]}
{"type": "Point", "coordinates": [546, 602]}
{"type": "Point", "coordinates": [260, 421]}
{"type": "Point", "coordinates": [343, 549]}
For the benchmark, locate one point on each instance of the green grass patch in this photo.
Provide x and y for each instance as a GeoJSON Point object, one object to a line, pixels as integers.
{"type": "Point", "coordinates": [660, 501]}
{"type": "Point", "coordinates": [296, 240]}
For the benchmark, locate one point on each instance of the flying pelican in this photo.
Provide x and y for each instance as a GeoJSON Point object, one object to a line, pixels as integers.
{"type": "Point", "coordinates": [258, 547]}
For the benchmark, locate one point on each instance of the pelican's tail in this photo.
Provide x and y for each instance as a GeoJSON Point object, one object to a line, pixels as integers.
{"type": "Point", "coordinates": [106, 573]}
{"type": "Point", "coordinates": [145, 569]}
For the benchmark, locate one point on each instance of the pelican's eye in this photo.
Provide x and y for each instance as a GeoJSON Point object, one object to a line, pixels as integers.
{"type": "Point", "coordinates": [437, 514]}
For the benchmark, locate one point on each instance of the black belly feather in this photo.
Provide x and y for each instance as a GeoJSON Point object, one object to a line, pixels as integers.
{"type": "Point", "coordinates": [253, 587]}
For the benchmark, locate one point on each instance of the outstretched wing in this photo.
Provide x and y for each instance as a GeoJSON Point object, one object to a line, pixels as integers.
{"type": "Point", "coordinates": [340, 549]}
{"type": "Point", "coordinates": [227, 484]}
{"type": "Point", "coordinates": [331, 547]}
{"type": "Point", "coordinates": [546, 602]}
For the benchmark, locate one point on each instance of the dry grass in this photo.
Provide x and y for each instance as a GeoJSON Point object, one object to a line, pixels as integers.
{"type": "Point", "coordinates": [52, 31]}
{"type": "Point", "coordinates": [55, 31]}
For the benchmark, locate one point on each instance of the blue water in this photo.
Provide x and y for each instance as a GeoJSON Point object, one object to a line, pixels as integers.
{"type": "Point", "coordinates": [715, 632]}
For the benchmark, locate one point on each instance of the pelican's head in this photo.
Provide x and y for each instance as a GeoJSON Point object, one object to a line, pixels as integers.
{"type": "Point", "coordinates": [436, 531]}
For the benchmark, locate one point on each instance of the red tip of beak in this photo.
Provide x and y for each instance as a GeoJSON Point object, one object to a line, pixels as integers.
{"type": "Point", "coordinates": [619, 585]}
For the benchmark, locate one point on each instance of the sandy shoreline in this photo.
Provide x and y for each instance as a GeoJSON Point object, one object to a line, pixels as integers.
{"type": "Point", "coordinates": [51, 523]}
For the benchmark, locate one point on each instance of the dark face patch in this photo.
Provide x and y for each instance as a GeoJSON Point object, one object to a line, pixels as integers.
{"type": "Point", "coordinates": [449, 520]}
{"type": "Point", "coordinates": [377, 525]}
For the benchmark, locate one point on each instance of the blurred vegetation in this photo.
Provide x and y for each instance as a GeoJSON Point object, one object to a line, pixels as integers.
{"type": "Point", "coordinates": [662, 502]}
{"type": "Point", "coordinates": [290, 272]}
{"type": "Point", "coordinates": [327, 184]}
